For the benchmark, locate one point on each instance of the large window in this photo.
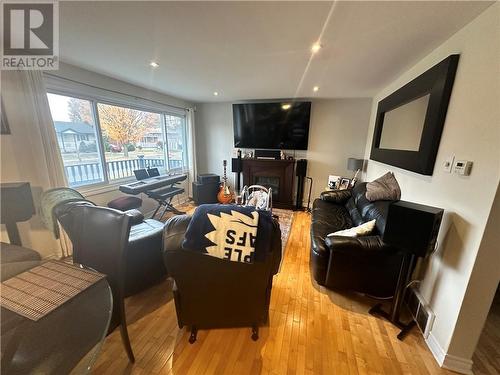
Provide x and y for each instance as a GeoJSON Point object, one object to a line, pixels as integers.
{"type": "Point", "coordinates": [101, 142]}
{"type": "Point", "coordinates": [176, 137]}
{"type": "Point", "coordinates": [77, 136]}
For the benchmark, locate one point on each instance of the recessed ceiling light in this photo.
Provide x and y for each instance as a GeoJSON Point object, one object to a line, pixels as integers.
{"type": "Point", "coordinates": [154, 64]}
{"type": "Point", "coordinates": [315, 88]}
{"type": "Point", "coordinates": [216, 93]}
{"type": "Point", "coordinates": [316, 47]}
{"type": "Point", "coordinates": [286, 106]}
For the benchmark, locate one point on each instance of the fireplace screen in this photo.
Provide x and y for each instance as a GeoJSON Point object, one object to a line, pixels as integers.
{"type": "Point", "coordinates": [269, 182]}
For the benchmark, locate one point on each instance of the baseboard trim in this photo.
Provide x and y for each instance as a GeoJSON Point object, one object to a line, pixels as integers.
{"type": "Point", "coordinates": [436, 349]}
{"type": "Point", "coordinates": [448, 361]}
{"type": "Point", "coordinates": [458, 364]}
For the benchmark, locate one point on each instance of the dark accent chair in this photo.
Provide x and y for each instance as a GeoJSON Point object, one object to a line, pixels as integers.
{"type": "Point", "coordinates": [213, 293]}
{"type": "Point", "coordinates": [364, 264]}
{"type": "Point", "coordinates": [100, 239]}
{"type": "Point", "coordinates": [15, 259]}
{"type": "Point", "coordinates": [144, 256]}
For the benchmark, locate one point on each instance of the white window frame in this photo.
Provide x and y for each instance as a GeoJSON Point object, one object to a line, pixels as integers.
{"type": "Point", "coordinates": [60, 86]}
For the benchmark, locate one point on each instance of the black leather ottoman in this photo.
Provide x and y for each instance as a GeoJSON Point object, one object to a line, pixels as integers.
{"type": "Point", "coordinates": [145, 266]}
{"type": "Point", "coordinates": [125, 203]}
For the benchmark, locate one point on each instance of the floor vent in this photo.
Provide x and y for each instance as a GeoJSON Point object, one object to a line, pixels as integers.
{"type": "Point", "coordinates": [420, 311]}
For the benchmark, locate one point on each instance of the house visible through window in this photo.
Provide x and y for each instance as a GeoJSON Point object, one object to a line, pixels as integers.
{"type": "Point", "coordinates": [77, 138]}
{"type": "Point", "coordinates": [101, 142]}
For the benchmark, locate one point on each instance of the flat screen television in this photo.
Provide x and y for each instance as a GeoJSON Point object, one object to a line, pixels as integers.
{"type": "Point", "coordinates": [279, 125]}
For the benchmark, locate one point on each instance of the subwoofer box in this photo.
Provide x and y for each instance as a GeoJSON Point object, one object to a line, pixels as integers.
{"type": "Point", "coordinates": [208, 178]}
{"type": "Point", "coordinates": [205, 193]}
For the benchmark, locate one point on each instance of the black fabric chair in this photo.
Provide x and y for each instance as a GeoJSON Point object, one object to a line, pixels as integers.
{"type": "Point", "coordinates": [100, 239]}
{"type": "Point", "coordinates": [15, 259]}
{"type": "Point", "coordinates": [213, 293]}
{"type": "Point", "coordinates": [364, 264]}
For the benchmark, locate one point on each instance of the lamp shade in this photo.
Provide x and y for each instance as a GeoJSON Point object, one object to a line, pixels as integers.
{"type": "Point", "coordinates": [354, 164]}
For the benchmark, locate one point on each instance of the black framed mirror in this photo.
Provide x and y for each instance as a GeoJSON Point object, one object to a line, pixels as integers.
{"type": "Point", "coordinates": [410, 121]}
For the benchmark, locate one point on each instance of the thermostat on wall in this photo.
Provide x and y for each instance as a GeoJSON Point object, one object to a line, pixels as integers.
{"type": "Point", "coordinates": [462, 167]}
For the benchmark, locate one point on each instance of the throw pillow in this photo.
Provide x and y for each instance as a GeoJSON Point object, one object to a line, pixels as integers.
{"type": "Point", "coordinates": [361, 230]}
{"type": "Point", "coordinates": [384, 188]}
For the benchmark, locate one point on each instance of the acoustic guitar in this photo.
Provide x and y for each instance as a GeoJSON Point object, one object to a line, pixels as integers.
{"type": "Point", "coordinates": [224, 195]}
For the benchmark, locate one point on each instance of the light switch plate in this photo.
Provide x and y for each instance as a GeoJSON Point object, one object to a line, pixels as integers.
{"type": "Point", "coordinates": [448, 164]}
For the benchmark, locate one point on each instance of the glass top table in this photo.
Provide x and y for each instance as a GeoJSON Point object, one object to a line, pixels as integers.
{"type": "Point", "coordinates": [65, 341]}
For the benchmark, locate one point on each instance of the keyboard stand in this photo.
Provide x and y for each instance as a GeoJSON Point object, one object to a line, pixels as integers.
{"type": "Point", "coordinates": [164, 197]}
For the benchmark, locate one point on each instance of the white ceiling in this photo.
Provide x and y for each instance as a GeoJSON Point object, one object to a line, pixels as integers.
{"type": "Point", "coordinates": [257, 50]}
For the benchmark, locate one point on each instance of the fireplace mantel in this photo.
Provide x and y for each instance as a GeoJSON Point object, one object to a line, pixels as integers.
{"type": "Point", "coordinates": [277, 174]}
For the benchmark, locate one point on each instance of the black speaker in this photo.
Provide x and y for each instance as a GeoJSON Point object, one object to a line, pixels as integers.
{"type": "Point", "coordinates": [413, 227]}
{"type": "Point", "coordinates": [205, 193]}
{"type": "Point", "coordinates": [301, 168]}
{"type": "Point", "coordinates": [300, 172]}
{"type": "Point", "coordinates": [208, 178]}
{"type": "Point", "coordinates": [236, 165]}
{"type": "Point", "coordinates": [268, 154]}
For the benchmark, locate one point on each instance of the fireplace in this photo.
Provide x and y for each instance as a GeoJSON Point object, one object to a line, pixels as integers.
{"type": "Point", "coordinates": [274, 174]}
{"type": "Point", "coordinates": [269, 182]}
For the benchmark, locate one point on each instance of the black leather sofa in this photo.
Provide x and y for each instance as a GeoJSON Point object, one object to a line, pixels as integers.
{"type": "Point", "coordinates": [144, 262]}
{"type": "Point", "coordinates": [214, 293]}
{"type": "Point", "coordinates": [364, 264]}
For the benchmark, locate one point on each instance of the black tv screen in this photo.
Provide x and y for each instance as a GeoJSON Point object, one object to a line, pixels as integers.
{"type": "Point", "coordinates": [281, 125]}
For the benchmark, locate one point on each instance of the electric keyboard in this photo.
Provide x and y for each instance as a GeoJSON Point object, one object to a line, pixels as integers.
{"type": "Point", "coordinates": [160, 188]}
{"type": "Point", "coordinates": [143, 186]}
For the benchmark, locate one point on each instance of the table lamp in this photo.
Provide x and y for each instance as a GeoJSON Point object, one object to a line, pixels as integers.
{"type": "Point", "coordinates": [355, 165]}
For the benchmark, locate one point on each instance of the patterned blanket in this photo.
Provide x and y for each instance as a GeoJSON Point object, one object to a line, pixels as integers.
{"type": "Point", "coordinates": [50, 200]}
{"type": "Point", "coordinates": [234, 233]}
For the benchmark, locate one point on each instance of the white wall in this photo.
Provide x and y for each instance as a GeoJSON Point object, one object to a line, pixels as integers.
{"type": "Point", "coordinates": [20, 151]}
{"type": "Point", "coordinates": [481, 289]}
{"type": "Point", "coordinates": [214, 138]}
{"type": "Point", "coordinates": [337, 131]}
{"type": "Point", "coordinates": [471, 132]}
{"type": "Point", "coordinates": [98, 80]}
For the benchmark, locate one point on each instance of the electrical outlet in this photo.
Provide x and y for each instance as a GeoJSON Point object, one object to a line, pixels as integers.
{"type": "Point", "coordinates": [448, 164]}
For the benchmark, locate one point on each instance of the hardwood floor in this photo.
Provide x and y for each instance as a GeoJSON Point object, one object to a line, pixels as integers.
{"type": "Point", "coordinates": [487, 355]}
{"type": "Point", "coordinates": [311, 331]}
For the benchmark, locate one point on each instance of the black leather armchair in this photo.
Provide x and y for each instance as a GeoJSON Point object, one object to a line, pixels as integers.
{"type": "Point", "coordinates": [213, 293]}
{"type": "Point", "coordinates": [100, 239]}
{"type": "Point", "coordinates": [144, 262]}
{"type": "Point", "coordinates": [365, 264]}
